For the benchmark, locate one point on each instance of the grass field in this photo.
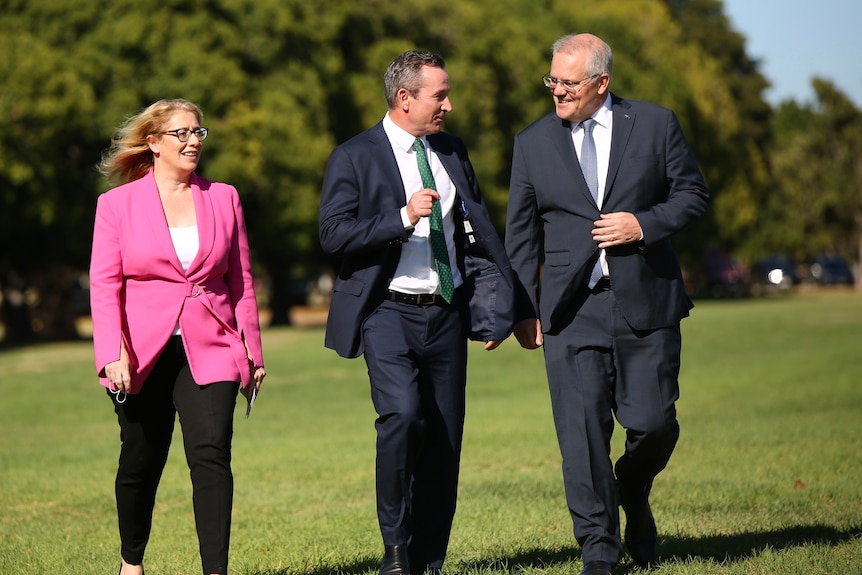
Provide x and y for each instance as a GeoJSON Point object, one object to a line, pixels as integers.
{"type": "Point", "coordinates": [766, 479]}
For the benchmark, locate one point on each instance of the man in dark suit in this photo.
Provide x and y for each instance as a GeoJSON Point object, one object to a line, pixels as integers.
{"type": "Point", "coordinates": [597, 190]}
{"type": "Point", "coordinates": [408, 307]}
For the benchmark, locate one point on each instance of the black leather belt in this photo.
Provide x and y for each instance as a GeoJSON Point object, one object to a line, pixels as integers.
{"type": "Point", "coordinates": [414, 298]}
{"type": "Point", "coordinates": [603, 284]}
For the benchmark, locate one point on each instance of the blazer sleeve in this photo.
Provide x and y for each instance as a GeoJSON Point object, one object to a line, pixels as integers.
{"type": "Point", "coordinates": [106, 282]}
{"type": "Point", "coordinates": [523, 241]}
{"type": "Point", "coordinates": [687, 197]}
{"type": "Point", "coordinates": [348, 224]}
{"type": "Point", "coordinates": [241, 286]}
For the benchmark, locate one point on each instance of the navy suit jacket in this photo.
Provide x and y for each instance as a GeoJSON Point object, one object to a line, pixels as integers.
{"type": "Point", "coordinates": [360, 224]}
{"type": "Point", "coordinates": [652, 173]}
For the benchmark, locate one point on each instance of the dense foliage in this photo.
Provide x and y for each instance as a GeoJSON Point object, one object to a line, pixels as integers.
{"type": "Point", "coordinates": [281, 82]}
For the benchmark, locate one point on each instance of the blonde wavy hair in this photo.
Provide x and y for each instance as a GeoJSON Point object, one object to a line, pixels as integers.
{"type": "Point", "coordinates": [129, 157]}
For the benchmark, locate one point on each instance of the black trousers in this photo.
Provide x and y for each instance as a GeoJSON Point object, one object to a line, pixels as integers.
{"type": "Point", "coordinates": [417, 363]}
{"type": "Point", "coordinates": [599, 367]}
{"type": "Point", "coordinates": [146, 427]}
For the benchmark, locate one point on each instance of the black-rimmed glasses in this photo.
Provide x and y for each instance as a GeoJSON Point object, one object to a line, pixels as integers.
{"type": "Point", "coordinates": [183, 134]}
{"type": "Point", "coordinates": [568, 85]}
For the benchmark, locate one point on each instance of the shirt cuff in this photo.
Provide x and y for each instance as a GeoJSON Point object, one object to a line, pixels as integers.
{"type": "Point", "coordinates": [405, 219]}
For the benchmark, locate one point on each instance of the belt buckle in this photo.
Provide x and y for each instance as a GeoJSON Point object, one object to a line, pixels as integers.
{"type": "Point", "coordinates": [420, 299]}
{"type": "Point", "coordinates": [426, 298]}
{"type": "Point", "coordinates": [603, 285]}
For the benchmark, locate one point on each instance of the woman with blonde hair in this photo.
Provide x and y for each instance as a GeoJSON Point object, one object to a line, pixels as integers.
{"type": "Point", "coordinates": [175, 321]}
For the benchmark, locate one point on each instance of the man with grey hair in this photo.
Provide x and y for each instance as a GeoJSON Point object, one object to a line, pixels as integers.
{"type": "Point", "coordinates": [598, 188]}
{"type": "Point", "coordinates": [420, 269]}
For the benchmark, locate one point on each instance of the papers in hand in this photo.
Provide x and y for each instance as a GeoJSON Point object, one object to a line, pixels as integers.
{"type": "Point", "coordinates": [250, 389]}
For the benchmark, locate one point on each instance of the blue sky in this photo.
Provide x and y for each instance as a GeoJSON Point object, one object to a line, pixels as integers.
{"type": "Point", "coordinates": [795, 40]}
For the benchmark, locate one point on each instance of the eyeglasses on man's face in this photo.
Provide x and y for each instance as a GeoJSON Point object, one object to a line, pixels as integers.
{"type": "Point", "coordinates": [183, 134]}
{"type": "Point", "coordinates": [567, 85]}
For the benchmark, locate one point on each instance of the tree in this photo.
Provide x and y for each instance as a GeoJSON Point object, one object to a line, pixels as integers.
{"type": "Point", "coordinates": [47, 182]}
{"type": "Point", "coordinates": [816, 204]}
{"type": "Point", "coordinates": [729, 126]}
{"type": "Point", "coordinates": [281, 82]}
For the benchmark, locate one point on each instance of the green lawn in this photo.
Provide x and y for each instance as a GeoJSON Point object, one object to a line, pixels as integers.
{"type": "Point", "coordinates": [766, 479]}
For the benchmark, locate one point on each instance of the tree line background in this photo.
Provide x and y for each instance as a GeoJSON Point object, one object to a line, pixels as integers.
{"type": "Point", "coordinates": [282, 82]}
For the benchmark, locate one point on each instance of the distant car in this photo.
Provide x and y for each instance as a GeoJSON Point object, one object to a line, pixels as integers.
{"type": "Point", "coordinates": [831, 269]}
{"type": "Point", "coordinates": [777, 272]}
{"type": "Point", "coordinates": [725, 276]}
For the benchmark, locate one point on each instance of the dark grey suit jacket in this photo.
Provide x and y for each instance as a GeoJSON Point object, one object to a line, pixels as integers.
{"type": "Point", "coordinates": [360, 224]}
{"type": "Point", "coordinates": [652, 173]}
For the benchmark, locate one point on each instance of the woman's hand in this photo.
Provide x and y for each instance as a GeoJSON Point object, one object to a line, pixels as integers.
{"type": "Point", "coordinates": [257, 377]}
{"type": "Point", "coordinates": [119, 373]}
{"type": "Point", "coordinates": [251, 390]}
{"type": "Point", "coordinates": [257, 371]}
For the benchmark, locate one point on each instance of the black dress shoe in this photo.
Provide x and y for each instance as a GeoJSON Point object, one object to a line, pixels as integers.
{"type": "Point", "coordinates": [395, 560]}
{"type": "Point", "coordinates": [419, 562]}
{"type": "Point", "coordinates": [598, 568]}
{"type": "Point", "coordinates": [641, 536]}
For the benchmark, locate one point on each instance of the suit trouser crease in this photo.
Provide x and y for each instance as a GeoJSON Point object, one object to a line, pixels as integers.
{"type": "Point", "coordinates": [146, 427]}
{"type": "Point", "coordinates": [416, 358]}
{"type": "Point", "coordinates": [599, 367]}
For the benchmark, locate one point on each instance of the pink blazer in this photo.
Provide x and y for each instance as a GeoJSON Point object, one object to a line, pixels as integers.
{"type": "Point", "coordinates": [139, 291]}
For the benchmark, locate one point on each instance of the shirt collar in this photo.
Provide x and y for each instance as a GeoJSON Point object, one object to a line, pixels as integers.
{"type": "Point", "coordinates": [603, 116]}
{"type": "Point", "coordinates": [398, 137]}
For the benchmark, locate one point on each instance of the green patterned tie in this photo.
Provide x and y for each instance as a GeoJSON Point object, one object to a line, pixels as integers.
{"type": "Point", "coordinates": [438, 240]}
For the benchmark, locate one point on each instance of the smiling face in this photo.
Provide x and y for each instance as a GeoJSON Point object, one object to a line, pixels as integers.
{"type": "Point", "coordinates": [582, 102]}
{"type": "Point", "coordinates": [169, 154]}
{"type": "Point", "coordinates": [422, 112]}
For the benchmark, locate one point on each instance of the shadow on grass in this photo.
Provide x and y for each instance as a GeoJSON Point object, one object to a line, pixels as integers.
{"type": "Point", "coordinates": [740, 546]}
{"type": "Point", "coordinates": [673, 549]}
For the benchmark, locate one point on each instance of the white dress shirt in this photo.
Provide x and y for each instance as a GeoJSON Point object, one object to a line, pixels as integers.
{"type": "Point", "coordinates": [186, 244]}
{"type": "Point", "coordinates": [416, 272]}
{"type": "Point", "coordinates": [604, 118]}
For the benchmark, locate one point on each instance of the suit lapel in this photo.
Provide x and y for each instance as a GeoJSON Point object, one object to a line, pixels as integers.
{"type": "Point", "coordinates": [452, 164]}
{"type": "Point", "coordinates": [624, 121]}
{"type": "Point", "coordinates": [562, 144]}
{"type": "Point", "coordinates": [205, 216]}
{"type": "Point", "coordinates": [148, 199]}
{"type": "Point", "coordinates": [392, 194]}
{"type": "Point", "coordinates": [385, 159]}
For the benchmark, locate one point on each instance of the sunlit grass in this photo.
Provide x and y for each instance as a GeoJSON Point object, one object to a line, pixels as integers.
{"type": "Point", "coordinates": [765, 479]}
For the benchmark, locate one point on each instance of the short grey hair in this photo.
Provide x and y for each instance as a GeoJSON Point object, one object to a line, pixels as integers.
{"type": "Point", "coordinates": [601, 58]}
{"type": "Point", "coordinates": [405, 71]}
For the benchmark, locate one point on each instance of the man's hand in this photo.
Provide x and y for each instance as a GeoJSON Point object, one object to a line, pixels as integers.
{"type": "Point", "coordinates": [529, 333]}
{"type": "Point", "coordinates": [419, 205]}
{"type": "Point", "coordinates": [617, 229]}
